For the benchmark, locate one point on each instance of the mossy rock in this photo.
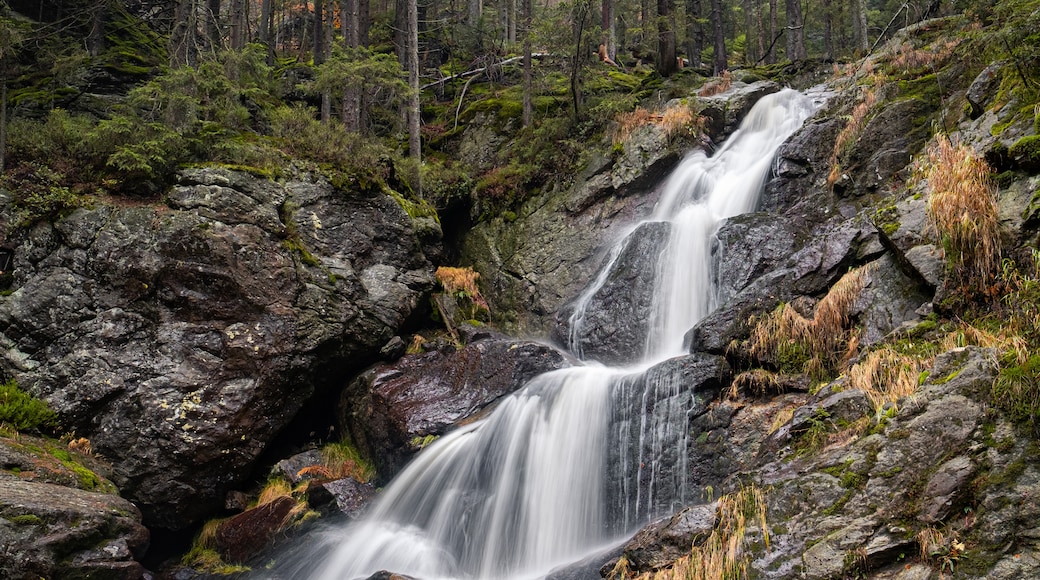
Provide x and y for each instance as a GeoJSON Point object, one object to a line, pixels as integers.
{"type": "Point", "coordinates": [1026, 153]}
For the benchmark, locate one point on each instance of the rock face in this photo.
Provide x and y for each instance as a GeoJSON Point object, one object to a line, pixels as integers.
{"type": "Point", "coordinates": [53, 531]}
{"type": "Point", "coordinates": [613, 323]}
{"type": "Point", "coordinates": [391, 409]}
{"type": "Point", "coordinates": [182, 338]}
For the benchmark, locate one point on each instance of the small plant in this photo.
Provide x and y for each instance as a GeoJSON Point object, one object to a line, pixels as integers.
{"type": "Point", "coordinates": [461, 283]}
{"type": "Point", "coordinates": [675, 121]}
{"type": "Point", "coordinates": [344, 460]}
{"type": "Point", "coordinates": [939, 549]}
{"type": "Point", "coordinates": [24, 412]}
{"type": "Point", "coordinates": [962, 209]}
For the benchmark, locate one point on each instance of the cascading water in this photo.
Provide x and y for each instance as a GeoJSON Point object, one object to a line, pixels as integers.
{"type": "Point", "coordinates": [571, 462]}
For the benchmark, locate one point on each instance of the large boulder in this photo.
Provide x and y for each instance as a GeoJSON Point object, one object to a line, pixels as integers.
{"type": "Point", "coordinates": [182, 338]}
{"type": "Point", "coordinates": [54, 531]}
{"type": "Point", "coordinates": [392, 410]}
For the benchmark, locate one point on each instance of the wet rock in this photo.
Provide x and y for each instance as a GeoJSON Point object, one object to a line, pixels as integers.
{"type": "Point", "coordinates": [295, 468]}
{"type": "Point", "coordinates": [614, 324]}
{"type": "Point", "coordinates": [52, 531]}
{"type": "Point", "coordinates": [947, 487]}
{"type": "Point", "coordinates": [249, 533]}
{"type": "Point", "coordinates": [587, 568]}
{"type": "Point", "coordinates": [385, 575]}
{"type": "Point", "coordinates": [726, 110]}
{"type": "Point", "coordinates": [748, 246]}
{"type": "Point", "coordinates": [350, 496]}
{"type": "Point", "coordinates": [181, 339]}
{"type": "Point", "coordinates": [888, 299]}
{"type": "Point", "coordinates": [391, 408]}
{"type": "Point", "coordinates": [662, 542]}
{"type": "Point", "coordinates": [653, 415]}
{"type": "Point", "coordinates": [798, 189]}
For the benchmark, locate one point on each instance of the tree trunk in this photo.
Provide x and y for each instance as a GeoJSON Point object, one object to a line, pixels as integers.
{"type": "Point", "coordinates": [718, 32]}
{"type": "Point", "coordinates": [528, 114]}
{"type": "Point", "coordinates": [771, 55]}
{"type": "Point", "coordinates": [213, 22]}
{"type": "Point", "coordinates": [319, 32]}
{"type": "Point", "coordinates": [364, 21]}
{"type": "Point", "coordinates": [96, 40]}
{"type": "Point", "coordinates": [3, 123]}
{"type": "Point", "coordinates": [577, 94]}
{"type": "Point", "coordinates": [666, 63]}
{"type": "Point", "coordinates": [474, 8]}
{"type": "Point", "coordinates": [266, 24]}
{"type": "Point", "coordinates": [828, 41]}
{"type": "Point", "coordinates": [609, 28]}
{"type": "Point", "coordinates": [694, 33]}
{"type": "Point", "coordinates": [749, 26]}
{"type": "Point", "coordinates": [414, 138]}
{"type": "Point", "coordinates": [184, 35]}
{"type": "Point", "coordinates": [795, 31]}
{"type": "Point", "coordinates": [761, 31]}
{"type": "Point", "coordinates": [859, 26]}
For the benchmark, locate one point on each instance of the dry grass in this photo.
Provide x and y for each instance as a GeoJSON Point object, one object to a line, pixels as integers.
{"type": "Point", "coordinates": [819, 344]}
{"type": "Point", "coordinates": [674, 121]}
{"type": "Point", "coordinates": [886, 376]}
{"type": "Point", "coordinates": [962, 209]}
{"type": "Point", "coordinates": [757, 382]}
{"type": "Point", "coordinates": [81, 445]}
{"type": "Point", "coordinates": [1006, 339]}
{"type": "Point", "coordinates": [723, 555]}
{"type": "Point", "coordinates": [908, 58]}
{"type": "Point", "coordinates": [782, 417]}
{"type": "Point", "coordinates": [850, 133]}
{"type": "Point", "coordinates": [720, 84]}
{"type": "Point", "coordinates": [462, 281]}
{"type": "Point", "coordinates": [274, 489]}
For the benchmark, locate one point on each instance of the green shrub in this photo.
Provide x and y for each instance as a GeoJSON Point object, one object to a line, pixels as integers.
{"type": "Point", "coordinates": [23, 411]}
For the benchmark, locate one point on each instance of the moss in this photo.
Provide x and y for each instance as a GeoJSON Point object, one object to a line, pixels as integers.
{"type": "Point", "coordinates": [26, 520]}
{"type": "Point", "coordinates": [1026, 152]}
{"type": "Point", "coordinates": [24, 412]}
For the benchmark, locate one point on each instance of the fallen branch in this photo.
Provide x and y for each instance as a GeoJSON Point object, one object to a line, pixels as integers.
{"type": "Point", "coordinates": [482, 69]}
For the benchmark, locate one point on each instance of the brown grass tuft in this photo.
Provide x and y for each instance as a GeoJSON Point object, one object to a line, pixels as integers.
{"type": "Point", "coordinates": [722, 555]}
{"type": "Point", "coordinates": [674, 121]}
{"type": "Point", "coordinates": [850, 133]}
{"type": "Point", "coordinates": [344, 460]}
{"type": "Point", "coordinates": [794, 343]}
{"type": "Point", "coordinates": [886, 376]}
{"type": "Point", "coordinates": [461, 280]}
{"type": "Point", "coordinates": [720, 84]}
{"type": "Point", "coordinates": [962, 209]}
{"type": "Point", "coordinates": [81, 445]}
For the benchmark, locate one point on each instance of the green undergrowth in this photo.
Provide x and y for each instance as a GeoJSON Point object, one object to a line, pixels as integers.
{"type": "Point", "coordinates": [23, 412]}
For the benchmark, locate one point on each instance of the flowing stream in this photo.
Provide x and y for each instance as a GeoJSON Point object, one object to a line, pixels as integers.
{"type": "Point", "coordinates": [580, 457]}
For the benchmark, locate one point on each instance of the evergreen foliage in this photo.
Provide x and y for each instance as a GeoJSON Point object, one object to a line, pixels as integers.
{"type": "Point", "coordinates": [24, 412]}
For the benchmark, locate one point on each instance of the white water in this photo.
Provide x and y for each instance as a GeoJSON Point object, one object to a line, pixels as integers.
{"type": "Point", "coordinates": [562, 467]}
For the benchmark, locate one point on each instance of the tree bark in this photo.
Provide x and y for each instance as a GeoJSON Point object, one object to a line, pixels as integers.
{"type": "Point", "coordinates": [859, 26]}
{"type": "Point", "coordinates": [96, 40]}
{"type": "Point", "coordinates": [213, 22]}
{"type": "Point", "coordinates": [771, 55]}
{"type": "Point", "coordinates": [319, 32]}
{"type": "Point", "coordinates": [749, 27]}
{"type": "Point", "coordinates": [577, 94]}
{"type": "Point", "coordinates": [528, 110]}
{"type": "Point", "coordinates": [414, 137]}
{"type": "Point", "coordinates": [719, 62]}
{"type": "Point", "coordinates": [184, 35]}
{"type": "Point", "coordinates": [828, 40]}
{"type": "Point", "coordinates": [694, 33]}
{"type": "Point", "coordinates": [666, 62]}
{"type": "Point", "coordinates": [474, 9]}
{"type": "Point", "coordinates": [795, 31]}
{"type": "Point", "coordinates": [609, 28]}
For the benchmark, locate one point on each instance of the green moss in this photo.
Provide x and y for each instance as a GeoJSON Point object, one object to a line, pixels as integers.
{"type": "Point", "coordinates": [1026, 152]}
{"type": "Point", "coordinates": [26, 520]}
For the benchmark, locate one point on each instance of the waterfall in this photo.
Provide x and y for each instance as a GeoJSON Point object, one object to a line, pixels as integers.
{"type": "Point", "coordinates": [575, 459]}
